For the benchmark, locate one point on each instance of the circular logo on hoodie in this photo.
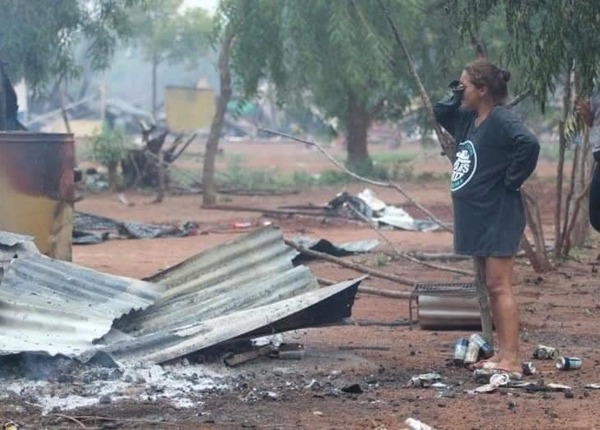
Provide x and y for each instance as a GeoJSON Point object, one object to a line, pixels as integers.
{"type": "Point", "coordinates": [464, 165]}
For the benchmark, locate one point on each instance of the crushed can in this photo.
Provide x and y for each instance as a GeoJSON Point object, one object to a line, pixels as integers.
{"type": "Point", "coordinates": [485, 349]}
{"type": "Point", "coordinates": [543, 352]}
{"type": "Point", "coordinates": [500, 379]}
{"type": "Point", "coordinates": [568, 363]}
{"type": "Point", "coordinates": [424, 380]}
{"type": "Point", "coordinates": [460, 351]}
{"type": "Point", "coordinates": [528, 368]}
{"type": "Point", "coordinates": [472, 353]}
{"type": "Point", "coordinates": [484, 376]}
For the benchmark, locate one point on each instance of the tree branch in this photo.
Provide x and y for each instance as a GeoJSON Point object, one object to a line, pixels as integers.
{"type": "Point", "coordinates": [340, 166]}
{"type": "Point", "coordinates": [407, 256]}
{"type": "Point", "coordinates": [358, 267]}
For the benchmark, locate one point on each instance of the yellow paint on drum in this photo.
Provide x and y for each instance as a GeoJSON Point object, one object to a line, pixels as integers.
{"type": "Point", "coordinates": [47, 220]}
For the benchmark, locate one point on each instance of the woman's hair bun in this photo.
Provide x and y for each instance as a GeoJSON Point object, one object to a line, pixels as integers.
{"type": "Point", "coordinates": [505, 75]}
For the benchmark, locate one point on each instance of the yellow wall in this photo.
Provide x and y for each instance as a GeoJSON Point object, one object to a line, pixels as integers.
{"type": "Point", "coordinates": [189, 109]}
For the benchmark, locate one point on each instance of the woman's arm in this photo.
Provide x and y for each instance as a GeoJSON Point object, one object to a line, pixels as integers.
{"type": "Point", "coordinates": [446, 112]}
{"type": "Point", "coordinates": [526, 150]}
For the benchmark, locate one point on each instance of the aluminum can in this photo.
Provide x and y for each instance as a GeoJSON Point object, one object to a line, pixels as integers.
{"type": "Point", "coordinates": [460, 351]}
{"type": "Point", "coordinates": [568, 363]}
{"type": "Point", "coordinates": [543, 352]}
{"type": "Point", "coordinates": [528, 368]}
{"type": "Point", "coordinates": [499, 379]}
{"type": "Point", "coordinates": [485, 349]}
{"type": "Point", "coordinates": [472, 353]}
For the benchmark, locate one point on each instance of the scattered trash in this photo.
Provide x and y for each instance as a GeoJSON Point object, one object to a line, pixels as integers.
{"type": "Point", "coordinates": [472, 354]}
{"type": "Point", "coordinates": [240, 225]}
{"type": "Point", "coordinates": [543, 352]}
{"type": "Point", "coordinates": [353, 389]}
{"type": "Point", "coordinates": [413, 424]}
{"type": "Point", "coordinates": [424, 380]}
{"type": "Point", "coordinates": [487, 388]}
{"type": "Point", "coordinates": [568, 363]}
{"type": "Point", "coordinates": [327, 247]}
{"type": "Point", "coordinates": [500, 379]}
{"type": "Point", "coordinates": [485, 349]}
{"type": "Point", "coordinates": [91, 229]}
{"type": "Point", "coordinates": [460, 351]}
{"type": "Point", "coordinates": [271, 395]}
{"type": "Point", "coordinates": [593, 386]}
{"type": "Point", "coordinates": [105, 400]}
{"type": "Point", "coordinates": [233, 360]}
{"type": "Point", "coordinates": [369, 206]}
{"type": "Point", "coordinates": [10, 426]}
{"type": "Point", "coordinates": [318, 413]}
{"type": "Point", "coordinates": [484, 376]}
{"type": "Point", "coordinates": [439, 386]}
{"type": "Point", "coordinates": [528, 368]}
{"type": "Point", "coordinates": [558, 387]}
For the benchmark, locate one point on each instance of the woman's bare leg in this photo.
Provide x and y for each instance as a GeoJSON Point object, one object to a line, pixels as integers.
{"type": "Point", "coordinates": [505, 313]}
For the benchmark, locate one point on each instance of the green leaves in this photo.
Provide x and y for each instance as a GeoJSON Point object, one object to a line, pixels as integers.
{"type": "Point", "coordinates": [108, 146]}
{"type": "Point", "coordinates": [545, 37]}
{"type": "Point", "coordinates": [37, 36]}
{"type": "Point", "coordinates": [166, 34]}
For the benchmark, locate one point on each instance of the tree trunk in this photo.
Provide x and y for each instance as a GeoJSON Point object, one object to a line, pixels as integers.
{"type": "Point", "coordinates": [357, 127]}
{"type": "Point", "coordinates": [558, 237]}
{"type": "Point", "coordinates": [209, 186]}
{"type": "Point", "coordinates": [539, 256]}
{"type": "Point", "coordinates": [581, 227]}
{"type": "Point", "coordinates": [113, 181]}
{"type": "Point", "coordinates": [3, 119]}
{"type": "Point", "coordinates": [63, 109]}
{"type": "Point", "coordinates": [160, 194]}
{"type": "Point", "coordinates": [154, 87]}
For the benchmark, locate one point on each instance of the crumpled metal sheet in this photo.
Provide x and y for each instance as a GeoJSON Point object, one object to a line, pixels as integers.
{"type": "Point", "coordinates": [312, 309]}
{"type": "Point", "coordinates": [242, 289]}
{"type": "Point", "coordinates": [56, 307]}
{"type": "Point", "coordinates": [251, 271]}
{"type": "Point", "coordinates": [9, 239]}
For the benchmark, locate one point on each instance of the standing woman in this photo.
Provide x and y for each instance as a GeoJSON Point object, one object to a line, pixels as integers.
{"type": "Point", "coordinates": [495, 154]}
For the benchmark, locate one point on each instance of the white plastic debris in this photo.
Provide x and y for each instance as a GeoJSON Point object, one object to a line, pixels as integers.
{"type": "Point", "coordinates": [413, 424]}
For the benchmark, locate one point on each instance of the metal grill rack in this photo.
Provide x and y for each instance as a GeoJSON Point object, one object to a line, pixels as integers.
{"type": "Point", "coordinates": [457, 289]}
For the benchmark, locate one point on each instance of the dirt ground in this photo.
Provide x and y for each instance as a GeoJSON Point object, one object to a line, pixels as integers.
{"type": "Point", "coordinates": [561, 309]}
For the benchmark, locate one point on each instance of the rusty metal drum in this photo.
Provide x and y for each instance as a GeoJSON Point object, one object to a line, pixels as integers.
{"type": "Point", "coordinates": [37, 189]}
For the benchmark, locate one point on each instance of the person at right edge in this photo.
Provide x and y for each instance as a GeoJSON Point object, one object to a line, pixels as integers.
{"type": "Point", "coordinates": [590, 112]}
{"type": "Point", "coordinates": [495, 153]}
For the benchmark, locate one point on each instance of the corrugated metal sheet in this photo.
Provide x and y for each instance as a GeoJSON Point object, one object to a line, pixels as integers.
{"type": "Point", "coordinates": [245, 288]}
{"type": "Point", "coordinates": [56, 307]}
{"type": "Point", "coordinates": [311, 309]}
{"type": "Point", "coordinates": [251, 271]}
{"type": "Point", "coordinates": [11, 239]}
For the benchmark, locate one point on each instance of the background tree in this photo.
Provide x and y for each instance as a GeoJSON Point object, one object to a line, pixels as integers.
{"type": "Point", "coordinates": [37, 36]}
{"type": "Point", "coordinates": [323, 53]}
{"type": "Point", "coordinates": [167, 34]}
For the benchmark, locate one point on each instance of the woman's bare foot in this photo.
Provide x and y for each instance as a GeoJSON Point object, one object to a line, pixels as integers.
{"type": "Point", "coordinates": [496, 358]}
{"type": "Point", "coordinates": [505, 365]}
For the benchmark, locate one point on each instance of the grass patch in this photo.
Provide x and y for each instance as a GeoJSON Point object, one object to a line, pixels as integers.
{"type": "Point", "coordinates": [237, 175]}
